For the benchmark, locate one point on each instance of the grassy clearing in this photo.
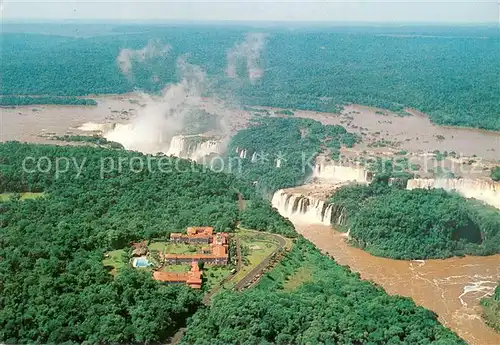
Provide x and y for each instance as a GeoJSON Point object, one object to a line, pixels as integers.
{"type": "Point", "coordinates": [214, 275]}
{"type": "Point", "coordinates": [174, 248]}
{"type": "Point", "coordinates": [258, 251]}
{"type": "Point", "coordinates": [302, 275]}
{"type": "Point", "coordinates": [114, 259]}
{"type": "Point", "coordinates": [24, 196]}
{"type": "Point", "coordinates": [247, 234]}
{"type": "Point", "coordinates": [259, 246]}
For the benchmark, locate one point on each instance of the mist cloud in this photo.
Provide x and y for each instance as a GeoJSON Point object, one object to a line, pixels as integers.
{"type": "Point", "coordinates": [163, 117]}
{"type": "Point", "coordinates": [153, 49]}
{"type": "Point", "coordinates": [172, 112]}
{"type": "Point", "coordinates": [247, 52]}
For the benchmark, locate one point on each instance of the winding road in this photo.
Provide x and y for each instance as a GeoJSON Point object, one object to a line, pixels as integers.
{"type": "Point", "coordinates": [250, 276]}
{"type": "Point", "coordinates": [245, 281]}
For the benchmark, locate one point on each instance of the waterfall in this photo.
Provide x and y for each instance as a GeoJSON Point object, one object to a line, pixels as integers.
{"type": "Point", "coordinates": [131, 137]}
{"type": "Point", "coordinates": [177, 146]}
{"type": "Point", "coordinates": [193, 147]}
{"type": "Point", "coordinates": [254, 157]}
{"type": "Point", "coordinates": [242, 153]}
{"type": "Point", "coordinates": [486, 191]}
{"type": "Point", "coordinates": [206, 148]}
{"type": "Point", "coordinates": [278, 163]}
{"type": "Point", "coordinates": [328, 172]}
{"type": "Point", "coordinates": [308, 210]}
{"type": "Point", "coordinates": [96, 127]}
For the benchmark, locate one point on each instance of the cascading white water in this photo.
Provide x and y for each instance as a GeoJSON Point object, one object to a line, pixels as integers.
{"type": "Point", "coordinates": [242, 153]}
{"type": "Point", "coordinates": [193, 147]}
{"type": "Point", "coordinates": [126, 134]}
{"type": "Point", "coordinates": [254, 157]}
{"type": "Point", "coordinates": [486, 191]}
{"type": "Point", "coordinates": [206, 148]}
{"type": "Point", "coordinates": [177, 146]}
{"type": "Point", "coordinates": [96, 127]}
{"type": "Point", "coordinates": [278, 163]}
{"type": "Point", "coordinates": [328, 172]}
{"type": "Point", "coordinates": [307, 210]}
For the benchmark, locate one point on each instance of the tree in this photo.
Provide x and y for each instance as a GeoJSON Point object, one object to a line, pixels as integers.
{"type": "Point", "coordinates": [418, 224]}
{"type": "Point", "coordinates": [495, 173]}
{"type": "Point", "coordinates": [334, 307]}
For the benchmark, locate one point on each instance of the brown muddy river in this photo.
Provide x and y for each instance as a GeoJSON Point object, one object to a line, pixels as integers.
{"type": "Point", "coordinates": [451, 288]}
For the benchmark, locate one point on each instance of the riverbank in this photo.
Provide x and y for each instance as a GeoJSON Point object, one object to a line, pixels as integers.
{"type": "Point", "coordinates": [452, 288]}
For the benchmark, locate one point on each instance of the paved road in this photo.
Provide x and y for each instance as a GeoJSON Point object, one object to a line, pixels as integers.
{"type": "Point", "coordinates": [249, 277]}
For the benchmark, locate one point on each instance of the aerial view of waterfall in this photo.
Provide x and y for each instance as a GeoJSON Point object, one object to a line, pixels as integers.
{"type": "Point", "coordinates": [207, 172]}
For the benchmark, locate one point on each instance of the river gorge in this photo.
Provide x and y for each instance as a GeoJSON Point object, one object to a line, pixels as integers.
{"type": "Point", "coordinates": [452, 287]}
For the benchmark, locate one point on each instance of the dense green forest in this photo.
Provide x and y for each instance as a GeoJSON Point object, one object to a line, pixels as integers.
{"type": "Point", "coordinates": [491, 307]}
{"type": "Point", "coordinates": [418, 224]}
{"type": "Point", "coordinates": [450, 73]}
{"type": "Point", "coordinates": [259, 215]}
{"type": "Point", "coordinates": [93, 139]}
{"type": "Point", "coordinates": [495, 173]}
{"type": "Point", "coordinates": [26, 100]}
{"type": "Point", "coordinates": [309, 299]}
{"type": "Point", "coordinates": [294, 141]}
{"type": "Point", "coordinates": [54, 288]}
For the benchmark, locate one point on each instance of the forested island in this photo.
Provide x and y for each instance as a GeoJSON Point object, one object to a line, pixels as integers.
{"type": "Point", "coordinates": [291, 143]}
{"type": "Point", "coordinates": [394, 222]}
{"type": "Point", "coordinates": [450, 73]}
{"type": "Point", "coordinates": [495, 174]}
{"type": "Point", "coordinates": [27, 100]}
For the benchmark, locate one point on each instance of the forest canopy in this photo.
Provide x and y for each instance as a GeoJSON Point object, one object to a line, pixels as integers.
{"type": "Point", "coordinates": [450, 73]}
{"type": "Point", "coordinates": [491, 307]}
{"type": "Point", "coordinates": [309, 299]}
{"type": "Point", "coordinates": [279, 152]}
{"type": "Point", "coordinates": [419, 223]}
{"type": "Point", "coordinates": [495, 174]}
{"type": "Point", "coordinates": [26, 100]}
{"type": "Point", "coordinates": [54, 287]}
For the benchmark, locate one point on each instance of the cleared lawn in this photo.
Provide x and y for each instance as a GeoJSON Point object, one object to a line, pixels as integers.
{"type": "Point", "coordinates": [302, 275]}
{"type": "Point", "coordinates": [242, 232]}
{"type": "Point", "coordinates": [24, 196]}
{"type": "Point", "coordinates": [258, 251]}
{"type": "Point", "coordinates": [114, 260]}
{"type": "Point", "coordinates": [259, 247]}
{"type": "Point", "coordinates": [214, 275]}
{"type": "Point", "coordinates": [174, 248]}
{"type": "Point", "coordinates": [247, 234]}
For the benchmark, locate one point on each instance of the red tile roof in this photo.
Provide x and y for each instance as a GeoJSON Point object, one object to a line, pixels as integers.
{"type": "Point", "coordinates": [200, 231]}
{"type": "Point", "coordinates": [192, 278]}
{"type": "Point", "coordinates": [219, 251]}
{"type": "Point", "coordinates": [218, 245]}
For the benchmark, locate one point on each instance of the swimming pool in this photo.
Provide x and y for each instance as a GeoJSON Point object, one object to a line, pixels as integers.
{"type": "Point", "coordinates": [141, 262]}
